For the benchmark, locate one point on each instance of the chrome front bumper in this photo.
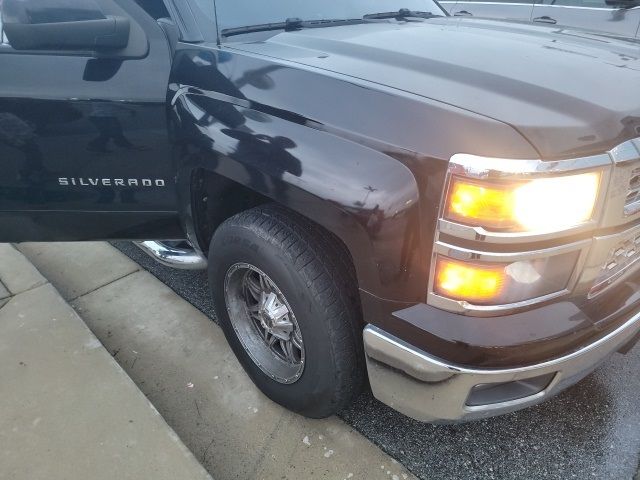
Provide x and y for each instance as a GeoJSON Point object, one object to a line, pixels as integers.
{"type": "Point", "coordinates": [430, 390]}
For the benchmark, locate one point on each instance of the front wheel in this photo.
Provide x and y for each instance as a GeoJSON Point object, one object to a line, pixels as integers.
{"type": "Point", "coordinates": [288, 305]}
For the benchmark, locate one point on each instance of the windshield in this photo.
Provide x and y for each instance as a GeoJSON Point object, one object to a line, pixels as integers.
{"type": "Point", "coordinates": [242, 13]}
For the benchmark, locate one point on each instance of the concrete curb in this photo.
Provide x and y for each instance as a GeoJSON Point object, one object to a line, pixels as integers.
{"type": "Point", "coordinates": [68, 411]}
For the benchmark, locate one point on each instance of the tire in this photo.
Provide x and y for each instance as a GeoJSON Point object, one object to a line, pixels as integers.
{"type": "Point", "coordinates": [313, 277]}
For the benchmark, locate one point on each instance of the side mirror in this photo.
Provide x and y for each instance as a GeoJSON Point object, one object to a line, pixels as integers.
{"type": "Point", "coordinates": [65, 25]}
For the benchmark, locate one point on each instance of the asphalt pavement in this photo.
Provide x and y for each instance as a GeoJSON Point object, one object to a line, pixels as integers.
{"type": "Point", "coordinates": [590, 431]}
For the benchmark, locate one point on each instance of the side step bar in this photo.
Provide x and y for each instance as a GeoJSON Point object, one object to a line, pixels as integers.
{"type": "Point", "coordinates": [181, 258]}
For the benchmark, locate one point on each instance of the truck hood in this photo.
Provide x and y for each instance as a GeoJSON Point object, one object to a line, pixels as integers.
{"type": "Point", "coordinates": [569, 92]}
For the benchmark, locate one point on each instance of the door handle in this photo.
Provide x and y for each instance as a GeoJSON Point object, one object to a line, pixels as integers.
{"type": "Point", "coordinates": [463, 13]}
{"type": "Point", "coordinates": [545, 19]}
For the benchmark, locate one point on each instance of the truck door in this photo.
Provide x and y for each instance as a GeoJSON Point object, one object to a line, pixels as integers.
{"type": "Point", "coordinates": [599, 15]}
{"type": "Point", "coordinates": [84, 146]}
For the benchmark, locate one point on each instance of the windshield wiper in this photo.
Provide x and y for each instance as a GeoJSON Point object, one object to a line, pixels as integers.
{"type": "Point", "coordinates": [401, 14]}
{"type": "Point", "coordinates": [289, 25]}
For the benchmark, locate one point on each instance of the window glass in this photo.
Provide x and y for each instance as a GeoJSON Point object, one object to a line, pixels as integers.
{"type": "Point", "coordinates": [240, 13]}
{"type": "Point", "coordinates": [207, 8]}
{"type": "Point", "coordinates": [155, 8]}
{"type": "Point", "coordinates": [2, 37]}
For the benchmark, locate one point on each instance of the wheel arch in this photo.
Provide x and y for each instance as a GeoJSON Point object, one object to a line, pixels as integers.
{"type": "Point", "coordinates": [215, 198]}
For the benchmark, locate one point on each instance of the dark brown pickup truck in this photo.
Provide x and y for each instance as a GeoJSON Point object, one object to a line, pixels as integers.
{"type": "Point", "coordinates": [451, 206]}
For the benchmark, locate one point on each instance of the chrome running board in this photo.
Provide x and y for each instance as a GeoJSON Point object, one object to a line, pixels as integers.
{"type": "Point", "coordinates": [181, 258]}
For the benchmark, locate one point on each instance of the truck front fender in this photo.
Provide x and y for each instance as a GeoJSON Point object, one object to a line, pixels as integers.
{"type": "Point", "coordinates": [366, 197]}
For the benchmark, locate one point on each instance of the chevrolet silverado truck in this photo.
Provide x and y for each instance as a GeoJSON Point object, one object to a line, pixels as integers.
{"type": "Point", "coordinates": [447, 206]}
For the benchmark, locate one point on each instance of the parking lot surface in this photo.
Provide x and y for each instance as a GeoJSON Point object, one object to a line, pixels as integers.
{"type": "Point", "coordinates": [590, 431]}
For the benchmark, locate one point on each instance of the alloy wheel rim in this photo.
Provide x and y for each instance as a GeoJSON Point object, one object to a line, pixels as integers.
{"type": "Point", "coordinates": [264, 323]}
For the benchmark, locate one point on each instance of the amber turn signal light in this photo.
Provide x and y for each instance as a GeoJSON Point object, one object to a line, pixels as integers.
{"type": "Point", "coordinates": [479, 284]}
{"type": "Point", "coordinates": [486, 204]}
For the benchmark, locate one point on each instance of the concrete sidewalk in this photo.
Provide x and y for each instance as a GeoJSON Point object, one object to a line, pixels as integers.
{"type": "Point", "coordinates": [67, 409]}
{"type": "Point", "coordinates": [179, 358]}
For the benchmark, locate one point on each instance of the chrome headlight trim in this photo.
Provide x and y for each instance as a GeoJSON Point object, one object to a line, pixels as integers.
{"type": "Point", "coordinates": [615, 166]}
{"type": "Point", "coordinates": [458, 253]}
{"type": "Point", "coordinates": [485, 168]}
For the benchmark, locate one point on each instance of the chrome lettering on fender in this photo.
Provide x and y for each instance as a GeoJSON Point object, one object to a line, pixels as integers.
{"type": "Point", "coordinates": [112, 182]}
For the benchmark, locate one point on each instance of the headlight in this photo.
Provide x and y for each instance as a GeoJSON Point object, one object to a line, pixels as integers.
{"type": "Point", "coordinates": [503, 283]}
{"type": "Point", "coordinates": [537, 205]}
{"type": "Point", "coordinates": [514, 233]}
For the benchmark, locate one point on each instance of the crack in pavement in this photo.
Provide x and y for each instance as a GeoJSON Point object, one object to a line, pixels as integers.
{"type": "Point", "coordinates": [75, 299]}
{"type": "Point", "coordinates": [4, 291]}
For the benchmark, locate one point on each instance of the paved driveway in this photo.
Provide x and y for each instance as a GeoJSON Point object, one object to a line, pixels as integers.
{"type": "Point", "coordinates": [590, 431]}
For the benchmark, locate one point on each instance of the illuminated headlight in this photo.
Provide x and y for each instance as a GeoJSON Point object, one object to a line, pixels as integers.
{"type": "Point", "coordinates": [513, 233]}
{"type": "Point", "coordinates": [546, 204]}
{"type": "Point", "coordinates": [503, 283]}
